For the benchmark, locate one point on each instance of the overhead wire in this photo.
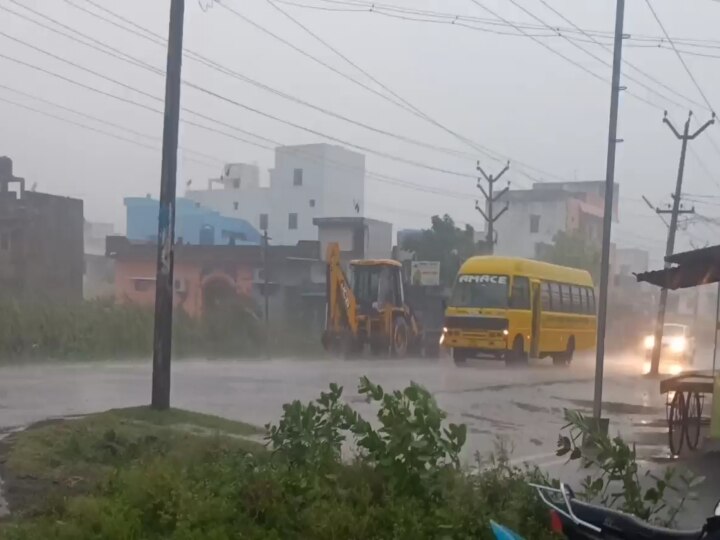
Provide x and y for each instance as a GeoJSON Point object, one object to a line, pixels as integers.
{"type": "Point", "coordinates": [404, 104]}
{"type": "Point", "coordinates": [375, 7]}
{"type": "Point", "coordinates": [148, 34]}
{"type": "Point", "coordinates": [100, 131]}
{"type": "Point", "coordinates": [236, 103]}
{"type": "Point", "coordinates": [379, 176]}
{"type": "Point", "coordinates": [686, 68]}
{"type": "Point", "coordinates": [223, 69]}
{"type": "Point", "coordinates": [624, 61]}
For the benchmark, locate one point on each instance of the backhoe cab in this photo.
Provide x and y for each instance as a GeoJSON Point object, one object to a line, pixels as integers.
{"type": "Point", "coordinates": [368, 308]}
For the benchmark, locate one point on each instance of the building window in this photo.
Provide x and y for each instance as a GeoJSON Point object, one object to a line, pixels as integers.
{"type": "Point", "coordinates": [534, 223]}
{"type": "Point", "coordinates": [312, 203]}
{"type": "Point", "coordinates": [143, 284]}
{"type": "Point", "coordinates": [263, 222]}
{"type": "Point", "coordinates": [292, 221]}
{"type": "Point", "coordinates": [236, 183]}
{"type": "Point", "coordinates": [297, 177]}
{"type": "Point", "coordinates": [235, 205]}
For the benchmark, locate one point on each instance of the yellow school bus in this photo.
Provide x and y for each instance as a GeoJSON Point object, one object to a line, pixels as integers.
{"type": "Point", "coordinates": [512, 309]}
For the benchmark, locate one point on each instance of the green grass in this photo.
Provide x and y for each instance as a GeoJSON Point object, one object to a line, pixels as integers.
{"type": "Point", "coordinates": [70, 457]}
{"type": "Point", "coordinates": [179, 417]}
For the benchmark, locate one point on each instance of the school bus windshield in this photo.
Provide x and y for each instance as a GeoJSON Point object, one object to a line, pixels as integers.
{"type": "Point", "coordinates": [480, 291]}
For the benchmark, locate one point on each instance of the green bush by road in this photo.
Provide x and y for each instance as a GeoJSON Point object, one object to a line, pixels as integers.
{"type": "Point", "coordinates": [102, 329]}
{"type": "Point", "coordinates": [137, 474]}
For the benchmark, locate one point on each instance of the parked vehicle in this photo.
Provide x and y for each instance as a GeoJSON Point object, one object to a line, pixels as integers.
{"type": "Point", "coordinates": [509, 308]}
{"type": "Point", "coordinates": [578, 520]}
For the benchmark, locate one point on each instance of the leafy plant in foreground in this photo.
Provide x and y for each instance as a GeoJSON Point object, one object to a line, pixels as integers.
{"type": "Point", "coordinates": [616, 480]}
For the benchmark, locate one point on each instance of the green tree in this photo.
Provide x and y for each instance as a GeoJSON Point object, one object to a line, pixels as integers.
{"type": "Point", "coordinates": [443, 242]}
{"type": "Point", "coordinates": [572, 249]}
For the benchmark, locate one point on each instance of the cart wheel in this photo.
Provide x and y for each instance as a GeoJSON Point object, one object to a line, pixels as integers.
{"type": "Point", "coordinates": [676, 423]}
{"type": "Point", "coordinates": [694, 419]}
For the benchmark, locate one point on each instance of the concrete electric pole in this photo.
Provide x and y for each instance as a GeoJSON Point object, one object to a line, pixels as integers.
{"type": "Point", "coordinates": [166, 216]}
{"type": "Point", "coordinates": [491, 198]}
{"type": "Point", "coordinates": [608, 211]}
{"type": "Point", "coordinates": [674, 213]}
{"type": "Point", "coordinates": [266, 292]}
{"type": "Point", "coordinates": [672, 229]}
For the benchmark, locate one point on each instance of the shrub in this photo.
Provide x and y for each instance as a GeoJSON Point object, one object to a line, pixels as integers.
{"type": "Point", "coordinates": [404, 483]}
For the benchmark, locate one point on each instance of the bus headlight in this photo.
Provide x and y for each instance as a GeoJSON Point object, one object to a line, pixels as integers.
{"type": "Point", "coordinates": [649, 342]}
{"type": "Point", "coordinates": [678, 344]}
{"type": "Point", "coordinates": [505, 332]}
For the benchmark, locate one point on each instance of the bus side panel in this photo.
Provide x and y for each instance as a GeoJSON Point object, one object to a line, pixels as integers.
{"type": "Point", "coordinates": [553, 333]}
{"type": "Point", "coordinates": [586, 338]}
{"type": "Point", "coordinates": [519, 323]}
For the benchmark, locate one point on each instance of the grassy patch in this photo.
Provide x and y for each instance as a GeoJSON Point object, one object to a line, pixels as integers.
{"type": "Point", "coordinates": [179, 417]}
{"type": "Point", "coordinates": [59, 458]}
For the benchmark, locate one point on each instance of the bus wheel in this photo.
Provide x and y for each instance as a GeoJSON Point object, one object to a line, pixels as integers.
{"type": "Point", "coordinates": [564, 358]}
{"type": "Point", "coordinates": [460, 357]}
{"type": "Point", "coordinates": [516, 356]}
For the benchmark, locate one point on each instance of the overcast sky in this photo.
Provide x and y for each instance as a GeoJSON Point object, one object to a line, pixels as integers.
{"type": "Point", "coordinates": [505, 92]}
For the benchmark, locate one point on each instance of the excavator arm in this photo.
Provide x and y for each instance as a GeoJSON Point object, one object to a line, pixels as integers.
{"type": "Point", "coordinates": [341, 314]}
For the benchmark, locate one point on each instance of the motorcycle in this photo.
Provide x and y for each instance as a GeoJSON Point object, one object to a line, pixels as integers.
{"type": "Point", "coordinates": [578, 520]}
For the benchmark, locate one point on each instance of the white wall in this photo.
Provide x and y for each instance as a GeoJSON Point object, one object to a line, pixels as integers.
{"type": "Point", "coordinates": [378, 240]}
{"type": "Point", "coordinates": [513, 227]}
{"type": "Point", "coordinates": [333, 180]}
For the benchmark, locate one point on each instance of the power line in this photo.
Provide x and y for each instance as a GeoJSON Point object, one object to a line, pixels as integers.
{"type": "Point", "coordinates": [94, 129]}
{"type": "Point", "coordinates": [626, 62]}
{"type": "Point", "coordinates": [227, 71]}
{"type": "Point", "coordinates": [687, 69]}
{"type": "Point", "coordinates": [408, 107]}
{"type": "Point", "coordinates": [682, 60]}
{"type": "Point", "coordinates": [216, 95]}
{"type": "Point", "coordinates": [103, 121]}
{"type": "Point", "coordinates": [373, 175]}
{"type": "Point", "coordinates": [454, 18]}
{"type": "Point", "coordinates": [155, 38]}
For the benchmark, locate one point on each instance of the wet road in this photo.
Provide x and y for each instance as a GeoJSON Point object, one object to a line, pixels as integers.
{"type": "Point", "coordinates": [521, 406]}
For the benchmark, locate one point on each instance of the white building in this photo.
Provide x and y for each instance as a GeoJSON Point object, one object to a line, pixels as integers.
{"type": "Point", "coordinates": [536, 215]}
{"type": "Point", "coordinates": [308, 181]}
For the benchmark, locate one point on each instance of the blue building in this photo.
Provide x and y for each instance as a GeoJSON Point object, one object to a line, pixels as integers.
{"type": "Point", "coordinates": [194, 224]}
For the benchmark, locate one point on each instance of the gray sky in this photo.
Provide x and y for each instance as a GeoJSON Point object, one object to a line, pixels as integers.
{"type": "Point", "coordinates": [507, 93]}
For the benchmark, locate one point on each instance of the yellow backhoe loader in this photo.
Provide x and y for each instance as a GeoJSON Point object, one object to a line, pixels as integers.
{"type": "Point", "coordinates": [368, 309]}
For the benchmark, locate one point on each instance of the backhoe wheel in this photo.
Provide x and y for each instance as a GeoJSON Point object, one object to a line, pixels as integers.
{"type": "Point", "coordinates": [399, 343]}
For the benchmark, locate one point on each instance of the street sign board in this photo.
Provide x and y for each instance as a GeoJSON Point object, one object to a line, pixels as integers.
{"type": "Point", "coordinates": [425, 273]}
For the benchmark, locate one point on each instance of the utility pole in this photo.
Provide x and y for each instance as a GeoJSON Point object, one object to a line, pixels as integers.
{"type": "Point", "coordinates": [490, 199]}
{"type": "Point", "coordinates": [266, 293]}
{"type": "Point", "coordinates": [166, 216]}
{"type": "Point", "coordinates": [608, 211]}
{"type": "Point", "coordinates": [674, 213]}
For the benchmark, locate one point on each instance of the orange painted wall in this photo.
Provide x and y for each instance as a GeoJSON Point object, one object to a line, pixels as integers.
{"type": "Point", "coordinates": [128, 288]}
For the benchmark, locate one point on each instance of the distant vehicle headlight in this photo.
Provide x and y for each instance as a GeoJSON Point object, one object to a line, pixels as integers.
{"type": "Point", "coordinates": [678, 344]}
{"type": "Point", "coordinates": [649, 342]}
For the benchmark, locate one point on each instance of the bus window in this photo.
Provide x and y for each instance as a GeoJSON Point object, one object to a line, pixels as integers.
{"type": "Point", "coordinates": [566, 298]}
{"type": "Point", "coordinates": [592, 300]}
{"type": "Point", "coordinates": [520, 297]}
{"type": "Point", "coordinates": [555, 297]}
{"type": "Point", "coordinates": [576, 293]}
{"type": "Point", "coordinates": [480, 291]}
{"type": "Point", "coordinates": [545, 296]}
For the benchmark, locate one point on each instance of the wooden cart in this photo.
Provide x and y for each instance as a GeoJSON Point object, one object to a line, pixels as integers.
{"type": "Point", "coordinates": [684, 407]}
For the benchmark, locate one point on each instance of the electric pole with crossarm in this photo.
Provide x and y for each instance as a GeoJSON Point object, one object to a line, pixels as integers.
{"type": "Point", "coordinates": [490, 199]}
